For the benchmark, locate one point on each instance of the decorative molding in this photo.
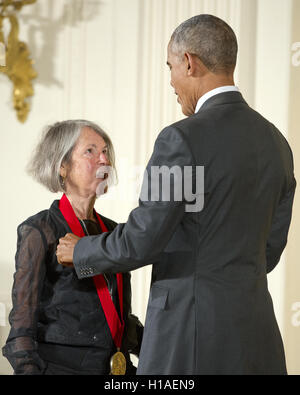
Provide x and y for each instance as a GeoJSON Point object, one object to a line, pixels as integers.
{"type": "Point", "coordinates": [18, 65]}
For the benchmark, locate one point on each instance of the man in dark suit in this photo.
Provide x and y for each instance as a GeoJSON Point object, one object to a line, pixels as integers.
{"type": "Point", "coordinates": [209, 310]}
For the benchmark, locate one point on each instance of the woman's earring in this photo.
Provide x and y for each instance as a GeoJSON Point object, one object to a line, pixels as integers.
{"type": "Point", "coordinates": [62, 182]}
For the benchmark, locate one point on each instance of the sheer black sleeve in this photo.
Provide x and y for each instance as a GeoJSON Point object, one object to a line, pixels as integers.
{"type": "Point", "coordinates": [21, 345]}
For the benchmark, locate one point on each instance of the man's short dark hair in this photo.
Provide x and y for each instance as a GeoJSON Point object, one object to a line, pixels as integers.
{"type": "Point", "coordinates": [209, 38]}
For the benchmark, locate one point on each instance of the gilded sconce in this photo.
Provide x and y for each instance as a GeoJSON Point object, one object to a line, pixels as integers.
{"type": "Point", "coordinates": [15, 59]}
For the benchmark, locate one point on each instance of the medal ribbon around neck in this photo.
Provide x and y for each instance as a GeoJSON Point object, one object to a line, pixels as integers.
{"type": "Point", "coordinates": [116, 325]}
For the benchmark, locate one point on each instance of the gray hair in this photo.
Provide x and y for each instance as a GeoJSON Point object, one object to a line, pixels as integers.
{"type": "Point", "coordinates": [56, 147]}
{"type": "Point", "coordinates": [209, 38]}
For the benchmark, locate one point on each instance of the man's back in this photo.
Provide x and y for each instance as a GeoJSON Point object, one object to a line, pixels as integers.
{"type": "Point", "coordinates": [212, 273]}
{"type": "Point", "coordinates": [248, 170]}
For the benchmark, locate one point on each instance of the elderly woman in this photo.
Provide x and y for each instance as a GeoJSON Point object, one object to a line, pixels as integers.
{"type": "Point", "coordinates": [59, 324]}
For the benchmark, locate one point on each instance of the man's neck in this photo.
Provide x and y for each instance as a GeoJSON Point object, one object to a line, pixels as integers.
{"type": "Point", "coordinates": [212, 82]}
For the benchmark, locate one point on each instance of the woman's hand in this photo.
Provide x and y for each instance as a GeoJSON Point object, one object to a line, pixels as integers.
{"type": "Point", "coordinates": [65, 249]}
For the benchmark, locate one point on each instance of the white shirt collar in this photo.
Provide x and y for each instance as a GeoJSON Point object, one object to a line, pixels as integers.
{"type": "Point", "coordinates": [208, 95]}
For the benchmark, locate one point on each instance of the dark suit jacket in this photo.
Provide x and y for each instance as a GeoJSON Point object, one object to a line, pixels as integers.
{"type": "Point", "coordinates": [209, 309]}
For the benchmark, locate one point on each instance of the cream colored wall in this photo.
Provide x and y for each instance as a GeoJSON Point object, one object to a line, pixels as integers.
{"type": "Point", "coordinates": [105, 61]}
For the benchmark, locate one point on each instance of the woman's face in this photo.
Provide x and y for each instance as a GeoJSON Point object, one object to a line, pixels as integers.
{"type": "Point", "coordinates": [89, 154]}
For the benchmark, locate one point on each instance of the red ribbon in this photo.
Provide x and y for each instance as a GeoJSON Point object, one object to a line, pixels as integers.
{"type": "Point", "coordinates": [116, 325]}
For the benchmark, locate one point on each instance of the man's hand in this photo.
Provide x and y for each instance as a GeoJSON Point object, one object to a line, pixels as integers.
{"type": "Point", "coordinates": [65, 249]}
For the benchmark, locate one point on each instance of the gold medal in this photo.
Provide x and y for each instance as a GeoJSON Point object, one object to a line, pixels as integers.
{"type": "Point", "coordinates": [118, 364]}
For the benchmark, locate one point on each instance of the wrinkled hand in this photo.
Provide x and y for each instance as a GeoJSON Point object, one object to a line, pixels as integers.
{"type": "Point", "coordinates": [65, 249]}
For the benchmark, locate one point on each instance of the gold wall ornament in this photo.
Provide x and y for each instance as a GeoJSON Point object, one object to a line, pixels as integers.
{"type": "Point", "coordinates": [17, 63]}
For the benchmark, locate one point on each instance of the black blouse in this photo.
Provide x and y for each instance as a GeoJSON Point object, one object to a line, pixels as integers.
{"type": "Point", "coordinates": [54, 312]}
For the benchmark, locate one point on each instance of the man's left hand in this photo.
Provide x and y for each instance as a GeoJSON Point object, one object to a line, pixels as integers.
{"type": "Point", "coordinates": [65, 249]}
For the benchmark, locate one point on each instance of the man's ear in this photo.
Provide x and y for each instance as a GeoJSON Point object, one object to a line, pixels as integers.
{"type": "Point", "coordinates": [191, 62]}
{"type": "Point", "coordinates": [195, 67]}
